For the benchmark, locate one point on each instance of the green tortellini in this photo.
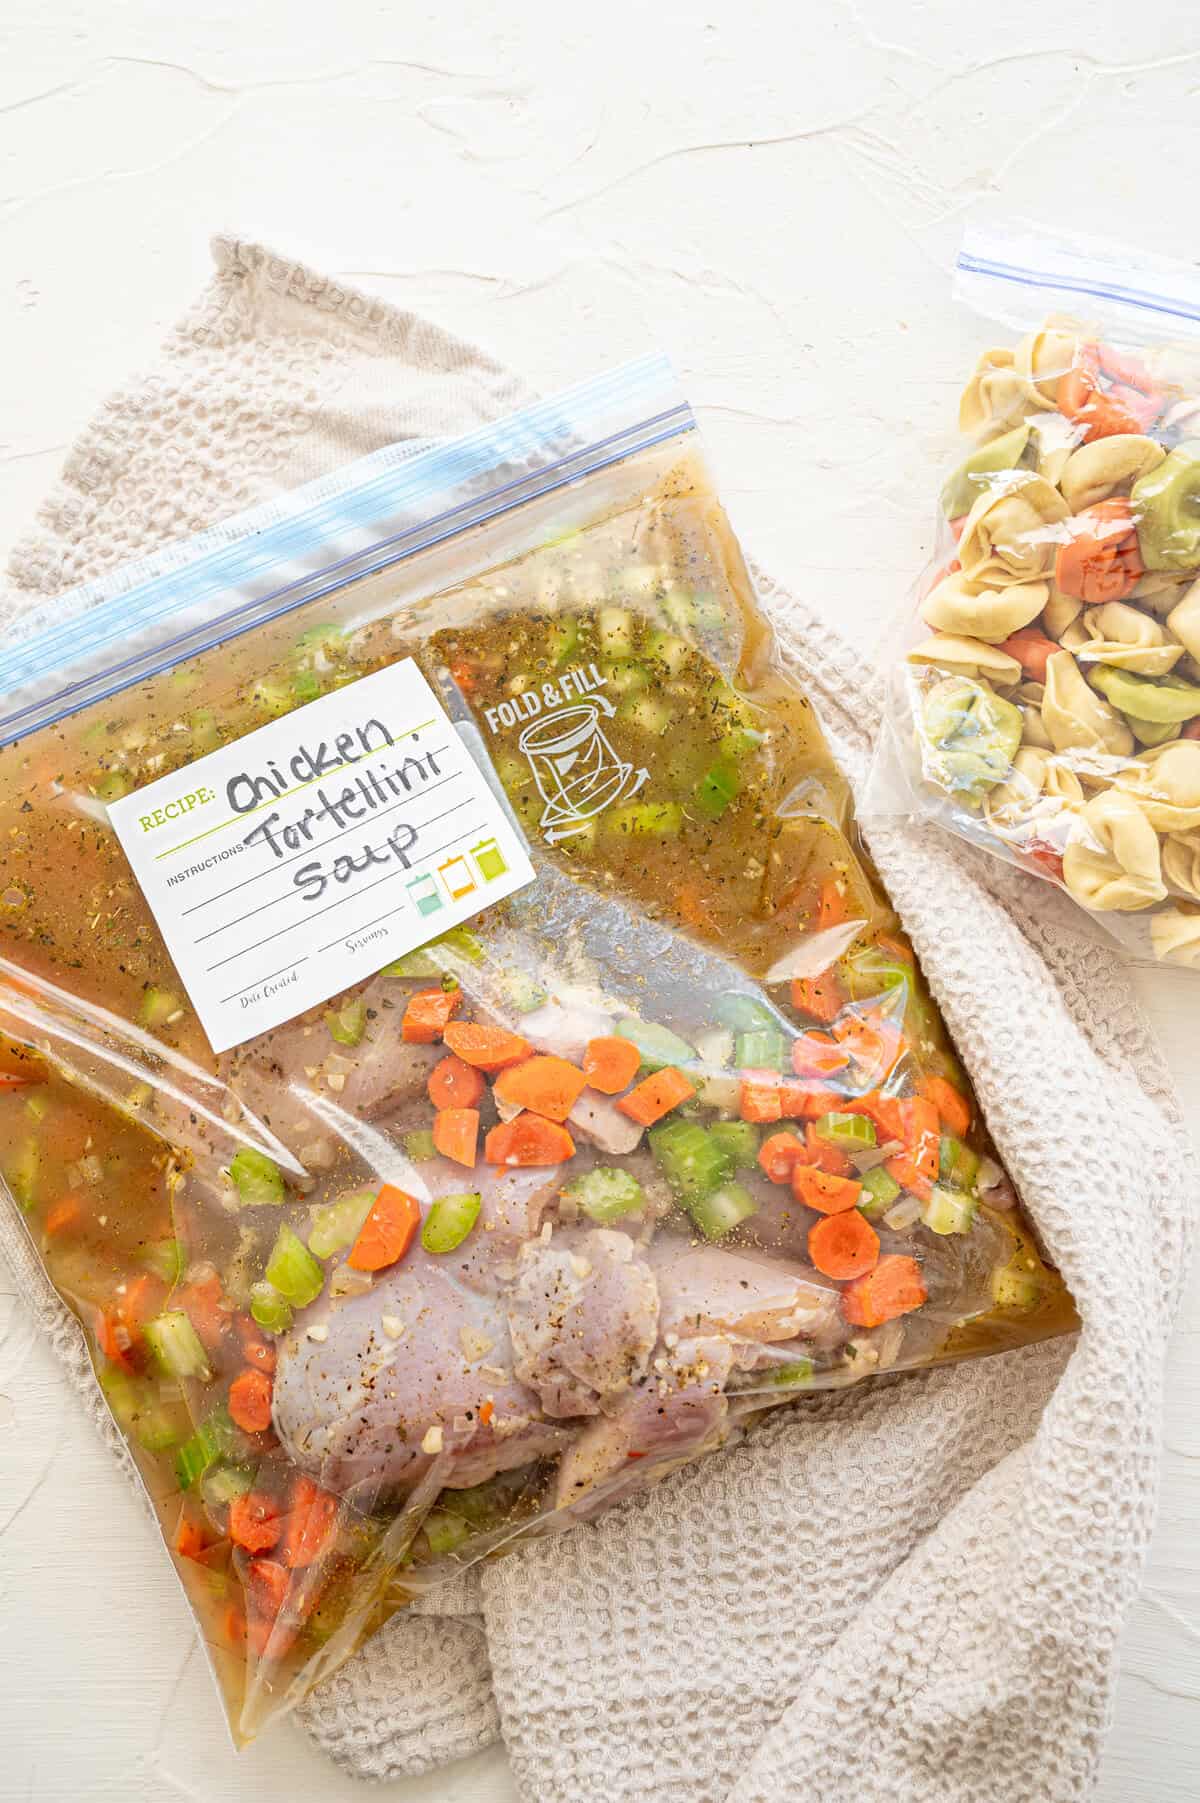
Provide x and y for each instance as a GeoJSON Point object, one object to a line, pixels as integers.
{"type": "Point", "coordinates": [964, 487]}
{"type": "Point", "coordinates": [971, 736]}
{"type": "Point", "coordinates": [1163, 701]}
{"type": "Point", "coordinates": [1166, 506]}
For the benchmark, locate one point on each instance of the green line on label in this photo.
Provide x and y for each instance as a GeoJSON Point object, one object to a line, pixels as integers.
{"type": "Point", "coordinates": [275, 800]}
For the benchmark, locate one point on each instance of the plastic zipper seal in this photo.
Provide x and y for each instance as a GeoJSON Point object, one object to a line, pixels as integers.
{"type": "Point", "coordinates": [1019, 273]}
{"type": "Point", "coordinates": [103, 637]}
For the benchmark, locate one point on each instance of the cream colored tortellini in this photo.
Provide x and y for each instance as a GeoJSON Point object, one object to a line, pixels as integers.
{"type": "Point", "coordinates": [1112, 861]}
{"type": "Point", "coordinates": [967, 657]}
{"type": "Point", "coordinates": [1165, 783]}
{"type": "Point", "coordinates": [1117, 634]}
{"type": "Point", "coordinates": [1074, 715]}
{"type": "Point", "coordinates": [1184, 619]}
{"type": "Point", "coordinates": [1033, 729]}
{"type": "Point", "coordinates": [1058, 613]}
{"type": "Point", "coordinates": [1039, 787]}
{"type": "Point", "coordinates": [959, 606]}
{"type": "Point", "coordinates": [1097, 470]}
{"type": "Point", "coordinates": [1041, 360]}
{"type": "Point", "coordinates": [1175, 937]}
{"type": "Point", "coordinates": [994, 397]}
{"type": "Point", "coordinates": [1181, 862]}
{"type": "Point", "coordinates": [1009, 535]}
{"type": "Point", "coordinates": [1053, 439]}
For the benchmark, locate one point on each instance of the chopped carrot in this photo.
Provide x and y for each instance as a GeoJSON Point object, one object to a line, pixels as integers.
{"type": "Point", "coordinates": [874, 1041]}
{"type": "Point", "coordinates": [427, 1015]}
{"type": "Point", "coordinates": [831, 909]}
{"type": "Point", "coordinates": [819, 996]}
{"type": "Point", "coordinates": [454, 1084]}
{"type": "Point", "coordinates": [759, 1100]}
{"type": "Point", "coordinates": [254, 1521]}
{"type": "Point", "coordinates": [817, 1055]}
{"type": "Point", "coordinates": [894, 1287]}
{"type": "Point", "coordinates": [113, 1338]}
{"type": "Point", "coordinates": [66, 1213]}
{"type": "Point", "coordinates": [250, 1400]}
{"type": "Point", "coordinates": [464, 675]}
{"type": "Point", "coordinates": [778, 1154]}
{"type": "Point", "coordinates": [909, 1175]}
{"type": "Point", "coordinates": [189, 1539]}
{"type": "Point", "coordinates": [389, 1230]}
{"type": "Point", "coordinates": [311, 1523]}
{"type": "Point", "coordinates": [824, 1156]}
{"type": "Point", "coordinates": [547, 1085]}
{"type": "Point", "coordinates": [257, 1350]}
{"type": "Point", "coordinates": [656, 1095]}
{"type": "Point", "coordinates": [895, 948]}
{"type": "Point", "coordinates": [827, 1194]}
{"type": "Point", "coordinates": [487, 1409]}
{"type": "Point", "coordinates": [267, 1584]}
{"type": "Point", "coordinates": [921, 1135]}
{"type": "Point", "coordinates": [528, 1140]}
{"type": "Point", "coordinates": [202, 1303]}
{"type": "Point", "coordinates": [233, 1626]}
{"type": "Point", "coordinates": [486, 1048]}
{"type": "Point", "coordinates": [887, 1113]}
{"type": "Point", "coordinates": [692, 911]}
{"type": "Point", "coordinates": [843, 1246]}
{"type": "Point", "coordinates": [610, 1064]}
{"type": "Point", "coordinates": [10, 1080]}
{"type": "Point", "coordinates": [952, 1106]}
{"type": "Point", "coordinates": [456, 1134]}
{"type": "Point", "coordinates": [800, 1103]}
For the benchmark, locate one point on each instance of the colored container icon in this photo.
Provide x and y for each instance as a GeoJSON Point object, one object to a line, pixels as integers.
{"type": "Point", "coordinates": [489, 860]}
{"type": "Point", "coordinates": [424, 891]}
{"type": "Point", "coordinates": [456, 874]}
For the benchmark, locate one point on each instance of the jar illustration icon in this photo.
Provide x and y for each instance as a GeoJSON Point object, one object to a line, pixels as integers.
{"type": "Point", "coordinates": [455, 872]}
{"type": "Point", "coordinates": [576, 769]}
{"type": "Point", "coordinates": [488, 859]}
{"type": "Point", "coordinates": [425, 894]}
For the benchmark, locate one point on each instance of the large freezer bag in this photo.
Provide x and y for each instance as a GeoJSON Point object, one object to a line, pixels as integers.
{"type": "Point", "coordinates": [459, 1062]}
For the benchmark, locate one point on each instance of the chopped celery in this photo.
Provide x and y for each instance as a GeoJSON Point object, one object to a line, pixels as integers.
{"type": "Point", "coordinates": [223, 1484]}
{"type": "Point", "coordinates": [450, 1220]}
{"type": "Point", "coordinates": [419, 1146]}
{"type": "Point", "coordinates": [272, 698]}
{"type": "Point", "coordinates": [112, 786]}
{"type": "Point", "coordinates": [138, 1410]}
{"type": "Point", "coordinates": [444, 1531]}
{"type": "Point", "coordinates": [293, 1271]}
{"type": "Point", "coordinates": [867, 973]}
{"type": "Point", "coordinates": [657, 1045]}
{"type": "Point", "coordinates": [739, 1139]}
{"type": "Point", "coordinates": [680, 609]}
{"type": "Point", "coordinates": [37, 1105]}
{"type": "Point", "coordinates": [693, 1163]}
{"type": "Point", "coordinates": [645, 713]}
{"type": "Point", "coordinates": [424, 962]}
{"type": "Point", "coordinates": [606, 1194]}
{"type": "Point", "coordinates": [744, 1013]}
{"type": "Point", "coordinates": [520, 991]}
{"type": "Point", "coordinates": [562, 638]}
{"type": "Point", "coordinates": [206, 733]}
{"type": "Point", "coordinates": [794, 1375]}
{"type": "Point", "coordinates": [614, 626]}
{"type": "Point", "coordinates": [348, 1023]}
{"type": "Point", "coordinates": [337, 1224]}
{"type": "Point", "coordinates": [175, 1346]}
{"type": "Point", "coordinates": [761, 1049]}
{"type": "Point", "coordinates": [879, 1191]}
{"type": "Point", "coordinates": [257, 1178]}
{"type": "Point", "coordinates": [740, 740]}
{"type": "Point", "coordinates": [214, 1439]}
{"type": "Point", "coordinates": [306, 686]}
{"type": "Point", "coordinates": [716, 789]}
{"type": "Point", "coordinates": [719, 1212]}
{"type": "Point", "coordinates": [625, 679]}
{"type": "Point", "coordinates": [1012, 1288]}
{"type": "Point", "coordinates": [671, 652]}
{"type": "Point", "coordinates": [948, 1210]}
{"type": "Point", "coordinates": [158, 1006]}
{"type": "Point", "coordinates": [21, 1174]}
{"type": "Point", "coordinates": [959, 1165]}
{"type": "Point", "coordinates": [315, 638]}
{"type": "Point", "coordinates": [849, 1132]}
{"type": "Point", "coordinates": [166, 1258]}
{"type": "Point", "coordinates": [269, 1309]}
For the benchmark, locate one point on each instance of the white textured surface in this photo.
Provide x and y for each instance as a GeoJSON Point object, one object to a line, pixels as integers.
{"type": "Point", "coordinates": [772, 194]}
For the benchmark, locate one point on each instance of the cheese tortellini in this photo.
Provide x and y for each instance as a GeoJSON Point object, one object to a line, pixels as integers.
{"type": "Point", "coordinates": [1057, 700]}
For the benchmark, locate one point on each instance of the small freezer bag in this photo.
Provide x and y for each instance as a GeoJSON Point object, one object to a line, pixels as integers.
{"type": "Point", "coordinates": [1045, 696]}
{"type": "Point", "coordinates": [458, 1062]}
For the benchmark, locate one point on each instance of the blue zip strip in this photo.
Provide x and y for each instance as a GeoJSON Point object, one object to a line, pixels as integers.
{"type": "Point", "coordinates": [101, 685]}
{"type": "Point", "coordinates": [329, 515]}
{"type": "Point", "coordinates": [1032, 278]}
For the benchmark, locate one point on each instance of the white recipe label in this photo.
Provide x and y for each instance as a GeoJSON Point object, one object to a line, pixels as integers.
{"type": "Point", "coordinates": [307, 855]}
